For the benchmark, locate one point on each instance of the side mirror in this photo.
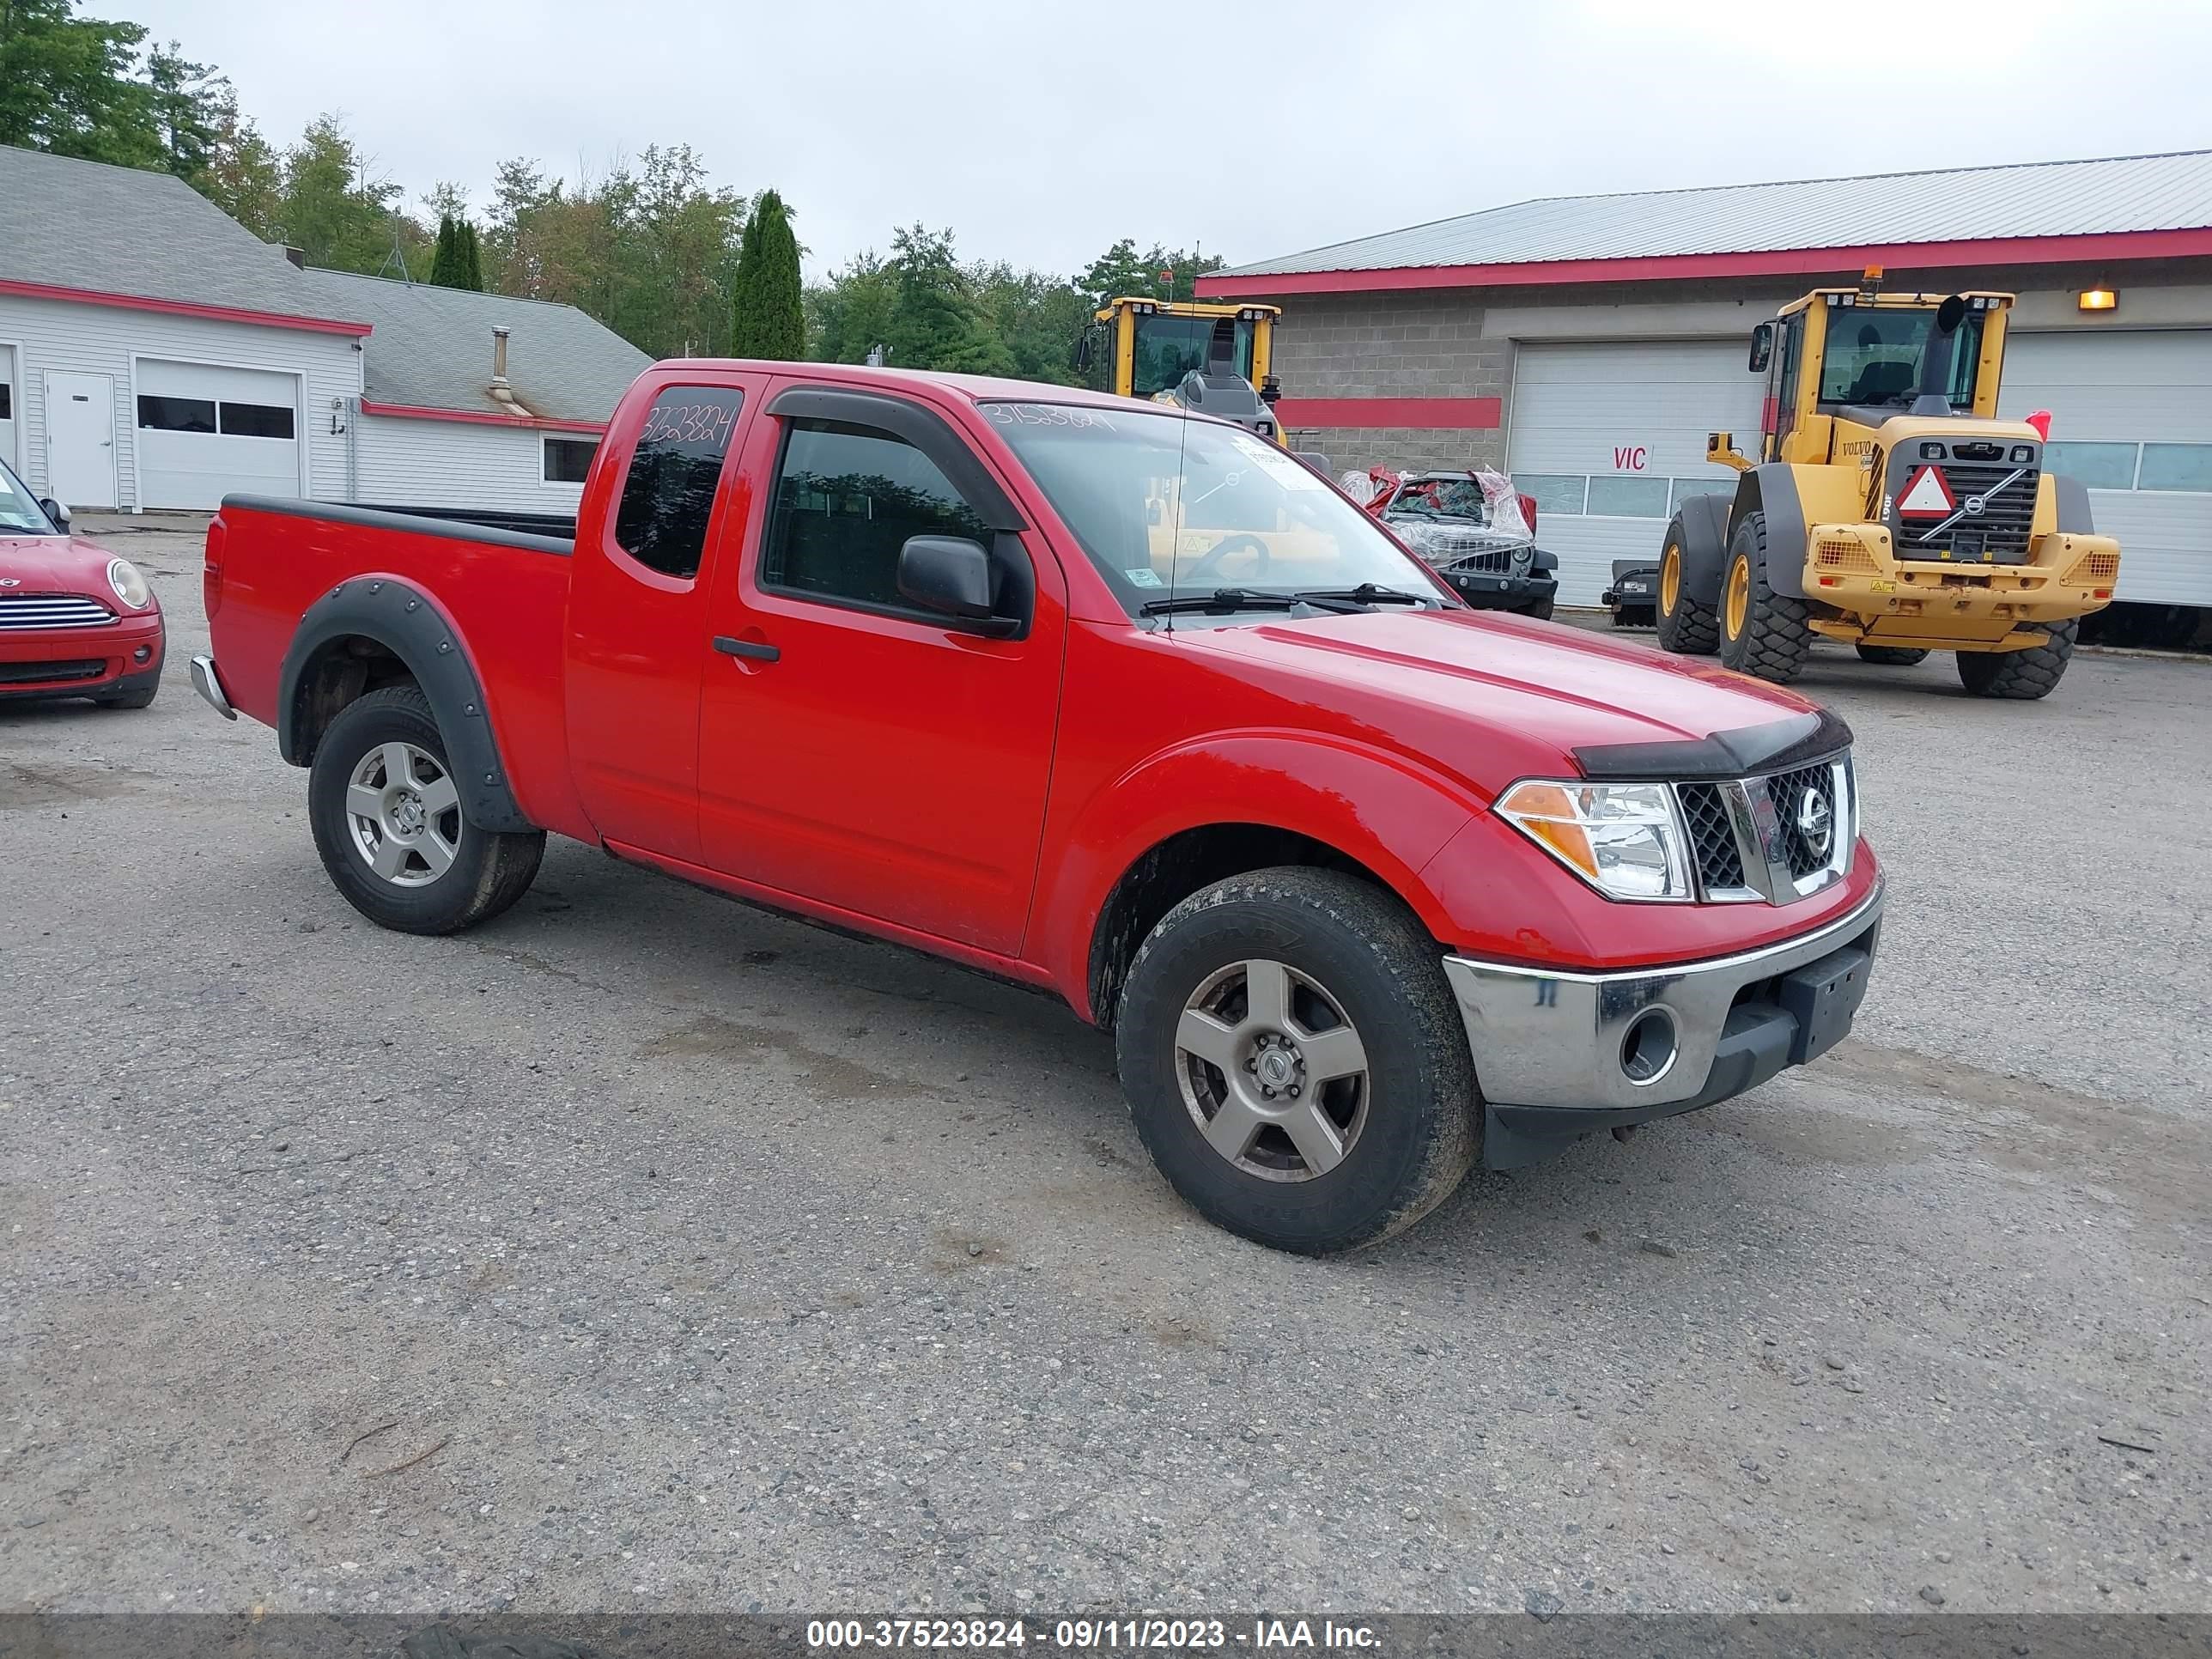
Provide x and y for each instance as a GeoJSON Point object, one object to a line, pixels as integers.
{"type": "Point", "coordinates": [1762, 348]}
{"type": "Point", "coordinates": [54, 510]}
{"type": "Point", "coordinates": [951, 575]}
{"type": "Point", "coordinates": [1085, 344]}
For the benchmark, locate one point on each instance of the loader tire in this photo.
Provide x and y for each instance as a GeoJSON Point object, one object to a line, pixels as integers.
{"type": "Point", "coordinates": [1686, 628]}
{"type": "Point", "coordinates": [2021, 676]}
{"type": "Point", "coordinates": [1763, 632]}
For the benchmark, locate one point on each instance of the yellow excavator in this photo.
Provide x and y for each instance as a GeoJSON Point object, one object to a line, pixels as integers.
{"type": "Point", "coordinates": [1889, 507]}
{"type": "Point", "coordinates": [1211, 359]}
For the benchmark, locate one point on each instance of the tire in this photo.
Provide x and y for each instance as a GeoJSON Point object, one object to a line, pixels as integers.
{"type": "Point", "coordinates": [2021, 676]}
{"type": "Point", "coordinates": [1891, 656]}
{"type": "Point", "coordinates": [1542, 609]}
{"type": "Point", "coordinates": [445, 874]}
{"type": "Point", "coordinates": [1763, 632]}
{"type": "Point", "coordinates": [1402, 1128]}
{"type": "Point", "coordinates": [1686, 628]}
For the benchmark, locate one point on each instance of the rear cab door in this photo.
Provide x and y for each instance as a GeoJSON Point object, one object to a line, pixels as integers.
{"type": "Point", "coordinates": [639, 643]}
{"type": "Point", "coordinates": [855, 750]}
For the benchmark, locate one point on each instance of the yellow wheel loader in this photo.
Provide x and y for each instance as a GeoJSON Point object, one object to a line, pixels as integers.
{"type": "Point", "coordinates": [1211, 359]}
{"type": "Point", "coordinates": [1889, 507]}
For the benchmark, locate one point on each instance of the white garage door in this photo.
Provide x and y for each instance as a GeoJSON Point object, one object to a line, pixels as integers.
{"type": "Point", "coordinates": [2131, 417]}
{"type": "Point", "coordinates": [1609, 436]}
{"type": "Point", "coordinates": [204, 433]}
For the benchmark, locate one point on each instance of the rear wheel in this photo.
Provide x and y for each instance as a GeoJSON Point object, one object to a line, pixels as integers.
{"type": "Point", "coordinates": [387, 819]}
{"type": "Point", "coordinates": [1762, 632]}
{"type": "Point", "coordinates": [1891, 656]}
{"type": "Point", "coordinates": [1295, 1062]}
{"type": "Point", "coordinates": [2021, 676]}
{"type": "Point", "coordinates": [1685, 627]}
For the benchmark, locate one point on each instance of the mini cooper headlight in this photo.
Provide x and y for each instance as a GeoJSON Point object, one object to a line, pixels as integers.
{"type": "Point", "coordinates": [1623, 839]}
{"type": "Point", "coordinates": [130, 586]}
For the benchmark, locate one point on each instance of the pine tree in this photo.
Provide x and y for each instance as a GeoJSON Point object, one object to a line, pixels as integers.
{"type": "Point", "coordinates": [472, 258]}
{"type": "Point", "coordinates": [445, 263]}
{"type": "Point", "coordinates": [768, 312]}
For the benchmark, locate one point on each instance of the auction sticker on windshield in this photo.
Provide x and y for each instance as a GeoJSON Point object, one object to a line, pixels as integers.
{"type": "Point", "coordinates": [1291, 475]}
{"type": "Point", "coordinates": [1044, 415]}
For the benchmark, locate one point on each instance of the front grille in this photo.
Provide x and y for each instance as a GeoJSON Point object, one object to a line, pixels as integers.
{"type": "Point", "coordinates": [1712, 837]}
{"type": "Point", "coordinates": [1790, 791]}
{"type": "Point", "coordinates": [1996, 535]}
{"type": "Point", "coordinates": [52, 610]}
{"type": "Point", "coordinates": [50, 673]}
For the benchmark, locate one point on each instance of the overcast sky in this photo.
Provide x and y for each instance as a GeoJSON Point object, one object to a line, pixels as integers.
{"type": "Point", "coordinates": [1040, 132]}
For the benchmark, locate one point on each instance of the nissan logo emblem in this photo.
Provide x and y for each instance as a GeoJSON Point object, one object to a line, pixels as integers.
{"type": "Point", "coordinates": [1815, 822]}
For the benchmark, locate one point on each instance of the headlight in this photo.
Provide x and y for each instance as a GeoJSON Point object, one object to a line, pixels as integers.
{"type": "Point", "coordinates": [1621, 838]}
{"type": "Point", "coordinates": [130, 586]}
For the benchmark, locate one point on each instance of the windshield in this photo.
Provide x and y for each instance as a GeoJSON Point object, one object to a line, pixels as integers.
{"type": "Point", "coordinates": [1872, 356]}
{"type": "Point", "coordinates": [19, 508]}
{"type": "Point", "coordinates": [1167, 505]}
{"type": "Point", "coordinates": [1442, 498]}
{"type": "Point", "coordinates": [1168, 348]}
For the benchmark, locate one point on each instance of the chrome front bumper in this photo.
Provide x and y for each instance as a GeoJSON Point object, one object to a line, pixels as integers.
{"type": "Point", "coordinates": [1557, 1054]}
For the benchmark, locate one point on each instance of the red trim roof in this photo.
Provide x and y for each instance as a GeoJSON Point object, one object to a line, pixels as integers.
{"type": "Point", "coordinates": [1677, 267]}
{"type": "Point", "coordinates": [182, 308]}
{"type": "Point", "coordinates": [480, 417]}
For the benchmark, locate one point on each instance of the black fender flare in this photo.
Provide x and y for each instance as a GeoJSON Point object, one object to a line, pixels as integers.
{"type": "Point", "coordinates": [406, 622]}
{"type": "Point", "coordinates": [1543, 560]}
{"type": "Point", "coordinates": [2072, 498]}
{"type": "Point", "coordinates": [1704, 519]}
{"type": "Point", "coordinates": [1772, 490]}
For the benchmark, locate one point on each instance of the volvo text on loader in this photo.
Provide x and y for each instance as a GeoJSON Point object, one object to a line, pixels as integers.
{"type": "Point", "coordinates": [1889, 507]}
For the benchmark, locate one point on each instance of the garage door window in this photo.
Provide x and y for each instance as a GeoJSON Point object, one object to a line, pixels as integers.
{"type": "Point", "coordinates": [1685, 488]}
{"type": "Point", "coordinates": [176, 414]}
{"type": "Point", "coordinates": [2099, 466]}
{"type": "Point", "coordinates": [1612, 497]}
{"type": "Point", "coordinates": [1555, 493]}
{"type": "Point", "coordinates": [2176, 466]}
{"type": "Point", "coordinates": [257, 421]}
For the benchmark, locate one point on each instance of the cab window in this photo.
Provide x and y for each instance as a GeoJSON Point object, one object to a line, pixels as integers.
{"type": "Point", "coordinates": [674, 470]}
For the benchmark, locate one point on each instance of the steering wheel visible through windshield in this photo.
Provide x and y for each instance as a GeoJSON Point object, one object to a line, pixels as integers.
{"type": "Point", "coordinates": [1168, 506]}
{"type": "Point", "coordinates": [19, 513]}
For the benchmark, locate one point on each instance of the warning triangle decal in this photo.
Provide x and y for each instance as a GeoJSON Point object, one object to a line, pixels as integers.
{"type": "Point", "coordinates": [1928, 496]}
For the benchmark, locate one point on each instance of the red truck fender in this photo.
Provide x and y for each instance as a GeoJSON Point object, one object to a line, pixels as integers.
{"type": "Point", "coordinates": [1187, 817]}
{"type": "Point", "coordinates": [324, 669]}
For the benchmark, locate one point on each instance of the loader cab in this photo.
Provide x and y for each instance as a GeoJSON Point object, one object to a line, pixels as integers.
{"type": "Point", "coordinates": [1154, 346]}
{"type": "Point", "coordinates": [1855, 358]}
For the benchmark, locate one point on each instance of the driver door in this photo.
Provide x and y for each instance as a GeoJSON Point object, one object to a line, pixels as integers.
{"type": "Point", "coordinates": [853, 751]}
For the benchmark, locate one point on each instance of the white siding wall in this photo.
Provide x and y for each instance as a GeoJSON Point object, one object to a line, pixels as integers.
{"type": "Point", "coordinates": [406, 462]}
{"type": "Point", "coordinates": [51, 334]}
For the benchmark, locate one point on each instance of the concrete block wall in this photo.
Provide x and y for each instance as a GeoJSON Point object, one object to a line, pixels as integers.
{"type": "Point", "coordinates": [1393, 345]}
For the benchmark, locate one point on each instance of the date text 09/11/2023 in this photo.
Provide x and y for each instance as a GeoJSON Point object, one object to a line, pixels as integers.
{"type": "Point", "coordinates": [831, 1635]}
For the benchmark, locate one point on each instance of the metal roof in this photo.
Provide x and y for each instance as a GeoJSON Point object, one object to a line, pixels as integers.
{"type": "Point", "coordinates": [122, 231]}
{"type": "Point", "coordinates": [432, 348]}
{"type": "Point", "coordinates": [2032, 199]}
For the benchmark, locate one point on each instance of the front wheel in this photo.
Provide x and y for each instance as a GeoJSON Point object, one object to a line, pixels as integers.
{"type": "Point", "coordinates": [387, 819]}
{"type": "Point", "coordinates": [1891, 656]}
{"type": "Point", "coordinates": [1295, 1062]}
{"type": "Point", "coordinates": [1540, 609]}
{"type": "Point", "coordinates": [1762, 632]}
{"type": "Point", "coordinates": [2021, 676]}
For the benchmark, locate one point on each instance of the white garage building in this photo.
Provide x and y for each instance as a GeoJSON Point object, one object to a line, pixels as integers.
{"type": "Point", "coordinates": [154, 354]}
{"type": "Point", "coordinates": [1589, 344]}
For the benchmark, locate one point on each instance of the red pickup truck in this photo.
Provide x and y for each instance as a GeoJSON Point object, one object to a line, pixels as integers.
{"type": "Point", "coordinates": [1106, 699]}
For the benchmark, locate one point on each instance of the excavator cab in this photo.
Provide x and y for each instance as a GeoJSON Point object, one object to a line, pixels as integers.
{"type": "Point", "coordinates": [1211, 359]}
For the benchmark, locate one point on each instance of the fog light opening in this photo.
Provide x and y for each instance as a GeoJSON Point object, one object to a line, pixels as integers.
{"type": "Point", "coordinates": [1647, 1047]}
{"type": "Point", "coordinates": [142, 653]}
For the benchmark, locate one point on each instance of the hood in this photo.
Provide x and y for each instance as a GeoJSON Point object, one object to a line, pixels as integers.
{"type": "Point", "coordinates": [55, 564]}
{"type": "Point", "coordinates": [1428, 681]}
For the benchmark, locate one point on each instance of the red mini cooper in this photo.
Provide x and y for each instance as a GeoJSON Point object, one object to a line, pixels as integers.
{"type": "Point", "coordinates": [75, 620]}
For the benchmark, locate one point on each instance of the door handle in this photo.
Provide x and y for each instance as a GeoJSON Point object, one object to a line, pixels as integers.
{"type": "Point", "coordinates": [757, 650]}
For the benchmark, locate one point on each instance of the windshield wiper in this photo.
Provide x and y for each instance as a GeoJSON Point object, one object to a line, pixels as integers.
{"type": "Point", "coordinates": [1222, 601]}
{"type": "Point", "coordinates": [1366, 593]}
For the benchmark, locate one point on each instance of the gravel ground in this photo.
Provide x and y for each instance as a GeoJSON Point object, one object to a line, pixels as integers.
{"type": "Point", "coordinates": [639, 1251]}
